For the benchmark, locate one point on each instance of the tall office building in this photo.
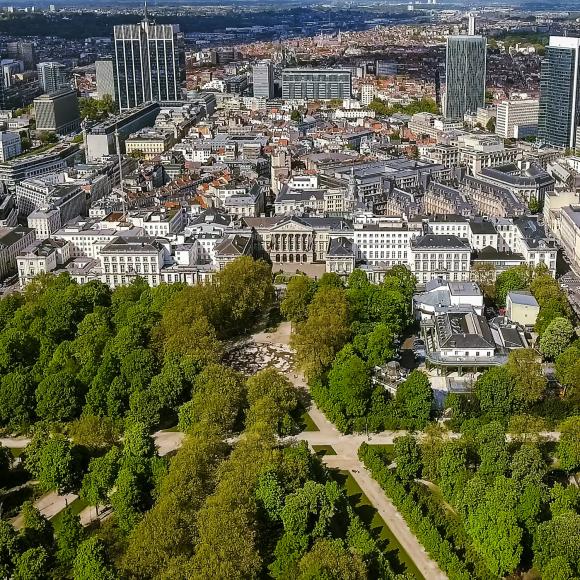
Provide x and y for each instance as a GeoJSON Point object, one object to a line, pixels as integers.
{"type": "Point", "coordinates": [149, 63]}
{"type": "Point", "coordinates": [465, 75]}
{"type": "Point", "coordinates": [57, 112]}
{"type": "Point", "coordinates": [517, 119]}
{"type": "Point", "coordinates": [23, 51]}
{"type": "Point", "coordinates": [263, 79]}
{"type": "Point", "coordinates": [559, 119]}
{"type": "Point", "coordinates": [51, 76]}
{"type": "Point", "coordinates": [105, 78]}
{"type": "Point", "coordinates": [316, 84]}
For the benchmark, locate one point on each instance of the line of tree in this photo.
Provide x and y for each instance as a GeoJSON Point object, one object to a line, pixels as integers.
{"type": "Point", "coordinates": [423, 105]}
{"type": "Point", "coordinates": [504, 508]}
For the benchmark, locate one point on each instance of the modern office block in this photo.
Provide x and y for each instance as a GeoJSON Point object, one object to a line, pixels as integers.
{"type": "Point", "coordinates": [316, 84]}
{"type": "Point", "coordinates": [57, 112]}
{"type": "Point", "coordinates": [559, 117]}
{"type": "Point", "coordinates": [149, 63]}
{"type": "Point", "coordinates": [23, 51]}
{"type": "Point", "coordinates": [465, 83]}
{"type": "Point", "coordinates": [517, 119]}
{"type": "Point", "coordinates": [105, 78]}
{"type": "Point", "coordinates": [263, 79]}
{"type": "Point", "coordinates": [51, 76]}
{"type": "Point", "coordinates": [10, 145]}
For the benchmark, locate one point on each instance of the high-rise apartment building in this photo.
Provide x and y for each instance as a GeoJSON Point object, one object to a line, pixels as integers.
{"type": "Point", "coordinates": [105, 78]}
{"type": "Point", "coordinates": [23, 51]}
{"type": "Point", "coordinates": [559, 117]}
{"type": "Point", "coordinates": [263, 79]}
{"type": "Point", "coordinates": [465, 72]}
{"type": "Point", "coordinates": [51, 76]}
{"type": "Point", "coordinates": [149, 63]}
{"type": "Point", "coordinates": [57, 112]}
{"type": "Point", "coordinates": [316, 84]}
{"type": "Point", "coordinates": [517, 119]}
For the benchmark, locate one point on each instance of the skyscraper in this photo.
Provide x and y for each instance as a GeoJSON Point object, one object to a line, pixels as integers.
{"type": "Point", "coordinates": [23, 51]}
{"type": "Point", "coordinates": [465, 72]}
{"type": "Point", "coordinates": [105, 78]}
{"type": "Point", "coordinates": [559, 118]}
{"type": "Point", "coordinates": [51, 76]}
{"type": "Point", "coordinates": [148, 63]}
{"type": "Point", "coordinates": [263, 79]}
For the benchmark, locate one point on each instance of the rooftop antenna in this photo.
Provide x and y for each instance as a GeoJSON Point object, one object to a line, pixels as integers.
{"type": "Point", "coordinates": [145, 18]}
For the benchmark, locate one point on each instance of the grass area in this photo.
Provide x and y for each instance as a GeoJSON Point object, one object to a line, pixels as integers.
{"type": "Point", "coordinates": [173, 429]}
{"type": "Point", "coordinates": [321, 450]}
{"type": "Point", "coordinates": [306, 423]}
{"type": "Point", "coordinates": [16, 451]}
{"type": "Point", "coordinates": [77, 506]}
{"type": "Point", "coordinates": [36, 150]}
{"type": "Point", "coordinates": [398, 558]}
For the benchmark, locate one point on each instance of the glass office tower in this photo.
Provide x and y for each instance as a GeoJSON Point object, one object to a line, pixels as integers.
{"type": "Point", "coordinates": [148, 63]}
{"type": "Point", "coordinates": [559, 117]}
{"type": "Point", "coordinates": [465, 75]}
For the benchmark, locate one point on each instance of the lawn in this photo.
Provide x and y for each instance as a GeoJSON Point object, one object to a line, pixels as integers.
{"type": "Point", "coordinates": [77, 506]}
{"type": "Point", "coordinates": [398, 558]}
{"type": "Point", "coordinates": [16, 451]}
{"type": "Point", "coordinates": [306, 423]}
{"type": "Point", "coordinates": [322, 450]}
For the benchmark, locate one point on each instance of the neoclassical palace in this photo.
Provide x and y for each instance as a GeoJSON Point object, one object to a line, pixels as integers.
{"type": "Point", "coordinates": [299, 240]}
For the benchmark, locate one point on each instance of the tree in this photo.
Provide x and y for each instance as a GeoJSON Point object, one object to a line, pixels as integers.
{"type": "Point", "coordinates": [558, 538]}
{"type": "Point", "coordinates": [517, 278]}
{"type": "Point", "coordinates": [484, 275]}
{"type": "Point", "coordinates": [318, 339]}
{"type": "Point", "coordinates": [349, 383]}
{"type": "Point", "coordinates": [16, 400]}
{"type": "Point", "coordinates": [37, 530]}
{"type": "Point", "coordinates": [329, 559]}
{"type": "Point", "coordinates": [567, 371]}
{"type": "Point", "coordinates": [526, 428]}
{"type": "Point", "coordinates": [569, 444]}
{"type": "Point", "coordinates": [58, 397]}
{"type": "Point", "coordinates": [9, 548]}
{"type": "Point", "coordinates": [556, 338]}
{"type": "Point", "coordinates": [414, 399]}
{"type": "Point", "coordinates": [495, 390]}
{"type": "Point", "coordinates": [299, 294]}
{"type": "Point", "coordinates": [452, 468]}
{"type": "Point", "coordinates": [33, 564]}
{"type": "Point", "coordinates": [91, 561]}
{"type": "Point", "coordinates": [380, 345]}
{"type": "Point", "coordinates": [492, 450]}
{"type": "Point", "coordinates": [94, 432]}
{"type": "Point", "coordinates": [558, 568]}
{"type": "Point", "coordinates": [528, 466]}
{"type": "Point", "coordinates": [137, 154]}
{"type": "Point", "coordinates": [56, 467]}
{"type": "Point", "coordinates": [526, 371]}
{"type": "Point", "coordinates": [494, 529]}
{"type": "Point", "coordinates": [218, 397]}
{"type": "Point", "coordinates": [296, 116]}
{"type": "Point", "coordinates": [408, 458]}
{"type": "Point", "coordinates": [47, 137]}
{"type": "Point", "coordinates": [490, 125]}
{"type": "Point", "coordinates": [69, 536]}
{"type": "Point", "coordinates": [100, 477]}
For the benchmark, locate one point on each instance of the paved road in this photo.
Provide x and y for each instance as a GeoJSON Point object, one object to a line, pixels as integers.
{"type": "Point", "coordinates": [48, 505]}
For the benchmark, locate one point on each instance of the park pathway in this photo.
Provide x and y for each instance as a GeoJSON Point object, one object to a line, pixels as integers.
{"type": "Point", "coordinates": [346, 459]}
